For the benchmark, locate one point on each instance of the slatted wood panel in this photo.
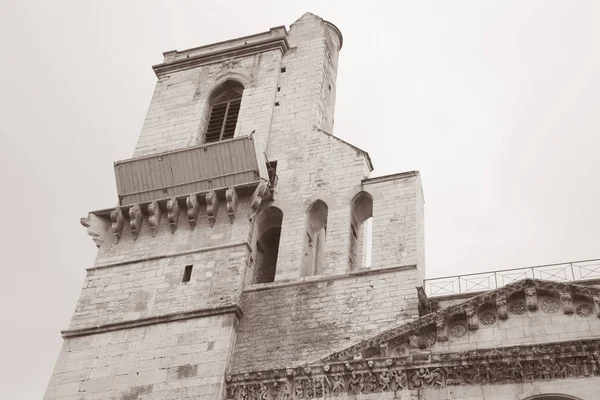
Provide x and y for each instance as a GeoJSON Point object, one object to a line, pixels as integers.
{"type": "Point", "coordinates": [212, 166]}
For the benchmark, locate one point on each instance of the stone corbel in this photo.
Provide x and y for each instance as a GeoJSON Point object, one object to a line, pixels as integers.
{"type": "Point", "coordinates": [154, 213]}
{"type": "Point", "coordinates": [193, 208]}
{"type": "Point", "coordinates": [212, 207]}
{"type": "Point", "coordinates": [135, 220]}
{"type": "Point", "coordinates": [232, 201]}
{"type": "Point", "coordinates": [566, 301]}
{"type": "Point", "coordinates": [531, 298]}
{"type": "Point", "coordinates": [260, 193]}
{"type": "Point", "coordinates": [117, 222]}
{"type": "Point", "coordinates": [502, 308]}
{"type": "Point", "coordinates": [96, 227]}
{"type": "Point", "coordinates": [442, 329]}
{"type": "Point", "coordinates": [472, 318]}
{"type": "Point", "coordinates": [173, 213]}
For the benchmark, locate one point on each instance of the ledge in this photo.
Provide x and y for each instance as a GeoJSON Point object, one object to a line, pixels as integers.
{"type": "Point", "coordinates": [180, 316]}
{"type": "Point", "coordinates": [317, 279]}
{"type": "Point", "coordinates": [385, 178]}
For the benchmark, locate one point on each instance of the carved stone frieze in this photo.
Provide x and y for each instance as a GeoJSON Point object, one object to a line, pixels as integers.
{"type": "Point", "coordinates": [517, 364]}
{"type": "Point", "coordinates": [531, 298]}
{"type": "Point", "coordinates": [135, 220]}
{"type": "Point", "coordinates": [193, 209]}
{"type": "Point", "coordinates": [154, 214]}
{"type": "Point", "coordinates": [173, 211]}
{"type": "Point", "coordinates": [458, 330]}
{"type": "Point", "coordinates": [472, 318]}
{"type": "Point", "coordinates": [117, 222]}
{"type": "Point", "coordinates": [584, 310]}
{"type": "Point", "coordinates": [260, 193]}
{"type": "Point", "coordinates": [212, 207]}
{"type": "Point", "coordinates": [550, 306]}
{"type": "Point", "coordinates": [232, 200]}
{"type": "Point", "coordinates": [442, 330]}
{"type": "Point", "coordinates": [518, 307]}
{"type": "Point", "coordinates": [488, 318]}
{"type": "Point", "coordinates": [96, 227]}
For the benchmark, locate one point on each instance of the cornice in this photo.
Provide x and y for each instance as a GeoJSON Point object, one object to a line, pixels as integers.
{"type": "Point", "coordinates": [179, 316]}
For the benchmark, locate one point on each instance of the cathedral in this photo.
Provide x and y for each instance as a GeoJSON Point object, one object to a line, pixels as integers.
{"type": "Point", "coordinates": [251, 256]}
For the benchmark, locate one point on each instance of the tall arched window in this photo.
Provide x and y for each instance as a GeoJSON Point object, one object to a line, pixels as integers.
{"type": "Point", "coordinates": [360, 231]}
{"type": "Point", "coordinates": [267, 244]}
{"type": "Point", "coordinates": [224, 111]}
{"type": "Point", "coordinates": [314, 243]}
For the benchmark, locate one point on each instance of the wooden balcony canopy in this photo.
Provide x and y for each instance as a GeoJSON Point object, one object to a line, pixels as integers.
{"type": "Point", "coordinates": [229, 163]}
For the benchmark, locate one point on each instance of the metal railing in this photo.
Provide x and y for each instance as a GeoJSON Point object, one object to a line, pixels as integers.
{"type": "Point", "coordinates": [483, 281]}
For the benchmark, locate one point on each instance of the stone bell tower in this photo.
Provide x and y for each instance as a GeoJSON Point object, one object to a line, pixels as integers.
{"type": "Point", "coordinates": [236, 185]}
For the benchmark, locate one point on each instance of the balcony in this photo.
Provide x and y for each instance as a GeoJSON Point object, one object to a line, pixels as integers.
{"type": "Point", "coordinates": [229, 163]}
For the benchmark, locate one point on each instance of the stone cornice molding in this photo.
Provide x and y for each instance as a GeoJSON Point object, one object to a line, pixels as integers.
{"type": "Point", "coordinates": [514, 364]}
{"type": "Point", "coordinates": [530, 286]}
{"type": "Point", "coordinates": [179, 316]}
{"type": "Point", "coordinates": [174, 61]}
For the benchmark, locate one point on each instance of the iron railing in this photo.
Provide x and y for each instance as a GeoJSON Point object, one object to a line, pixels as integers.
{"type": "Point", "coordinates": [478, 282]}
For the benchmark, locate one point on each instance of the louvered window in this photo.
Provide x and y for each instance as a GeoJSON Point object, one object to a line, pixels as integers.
{"type": "Point", "coordinates": [224, 114]}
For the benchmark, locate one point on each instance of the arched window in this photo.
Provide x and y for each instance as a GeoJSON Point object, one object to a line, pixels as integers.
{"type": "Point", "coordinates": [224, 111]}
{"type": "Point", "coordinates": [360, 231]}
{"type": "Point", "coordinates": [267, 244]}
{"type": "Point", "coordinates": [553, 396]}
{"type": "Point", "coordinates": [314, 243]}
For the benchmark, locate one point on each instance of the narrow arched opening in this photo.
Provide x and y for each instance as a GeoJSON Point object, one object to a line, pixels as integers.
{"type": "Point", "coordinates": [361, 218]}
{"type": "Point", "coordinates": [553, 396]}
{"type": "Point", "coordinates": [267, 244]}
{"type": "Point", "coordinates": [224, 112]}
{"type": "Point", "coordinates": [314, 242]}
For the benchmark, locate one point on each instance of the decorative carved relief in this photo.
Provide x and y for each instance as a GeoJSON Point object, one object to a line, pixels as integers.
{"type": "Point", "coordinates": [567, 302]}
{"type": "Point", "coordinates": [232, 201]}
{"type": "Point", "coordinates": [154, 213]}
{"type": "Point", "coordinates": [212, 206]}
{"type": "Point", "coordinates": [193, 208]}
{"type": "Point", "coordinates": [173, 211]}
{"type": "Point", "coordinates": [442, 330]}
{"type": "Point", "coordinates": [550, 306]}
{"type": "Point", "coordinates": [517, 307]}
{"type": "Point", "coordinates": [531, 298]}
{"type": "Point", "coordinates": [135, 220]}
{"type": "Point", "coordinates": [502, 308]}
{"type": "Point", "coordinates": [403, 333]}
{"type": "Point", "coordinates": [458, 330]}
{"type": "Point", "coordinates": [472, 319]}
{"type": "Point", "coordinates": [488, 318]}
{"type": "Point", "coordinates": [117, 223]}
{"type": "Point", "coordinates": [260, 193]}
{"type": "Point", "coordinates": [584, 310]}
{"type": "Point", "coordinates": [518, 364]}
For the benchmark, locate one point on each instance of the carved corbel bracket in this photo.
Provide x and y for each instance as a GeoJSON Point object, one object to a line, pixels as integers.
{"type": "Point", "coordinates": [472, 318]}
{"type": "Point", "coordinates": [154, 212]}
{"type": "Point", "coordinates": [531, 298]}
{"type": "Point", "coordinates": [442, 329]}
{"type": "Point", "coordinates": [135, 220]}
{"type": "Point", "coordinates": [212, 207]}
{"type": "Point", "coordinates": [193, 208]}
{"type": "Point", "coordinates": [260, 193]}
{"type": "Point", "coordinates": [117, 223]}
{"type": "Point", "coordinates": [173, 213]}
{"type": "Point", "coordinates": [502, 308]}
{"type": "Point", "coordinates": [96, 227]}
{"type": "Point", "coordinates": [566, 301]}
{"type": "Point", "coordinates": [232, 202]}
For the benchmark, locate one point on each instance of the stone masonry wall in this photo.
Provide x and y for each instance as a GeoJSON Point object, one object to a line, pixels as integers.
{"type": "Point", "coordinates": [299, 323]}
{"type": "Point", "coordinates": [176, 360]}
{"type": "Point", "coordinates": [179, 109]}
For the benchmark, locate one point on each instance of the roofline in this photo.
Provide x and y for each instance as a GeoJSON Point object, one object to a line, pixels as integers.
{"type": "Point", "coordinates": [363, 152]}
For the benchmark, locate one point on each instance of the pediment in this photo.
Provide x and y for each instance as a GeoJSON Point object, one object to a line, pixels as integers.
{"type": "Point", "coordinates": [434, 327]}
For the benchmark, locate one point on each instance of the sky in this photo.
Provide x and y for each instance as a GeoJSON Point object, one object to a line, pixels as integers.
{"type": "Point", "coordinates": [494, 102]}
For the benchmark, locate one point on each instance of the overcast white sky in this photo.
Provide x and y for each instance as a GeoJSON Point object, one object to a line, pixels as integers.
{"type": "Point", "coordinates": [495, 102]}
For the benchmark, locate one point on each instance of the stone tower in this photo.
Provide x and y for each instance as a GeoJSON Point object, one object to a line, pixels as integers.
{"type": "Point", "coordinates": [242, 231]}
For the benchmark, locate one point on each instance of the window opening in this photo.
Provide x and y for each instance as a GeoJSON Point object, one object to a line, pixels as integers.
{"type": "Point", "coordinates": [224, 113]}
{"type": "Point", "coordinates": [360, 231]}
{"type": "Point", "coordinates": [187, 273]}
{"type": "Point", "coordinates": [314, 247]}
